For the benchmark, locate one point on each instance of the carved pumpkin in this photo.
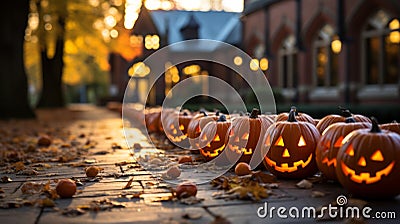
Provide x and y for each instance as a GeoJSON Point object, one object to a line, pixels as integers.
{"type": "Point", "coordinates": [196, 125]}
{"type": "Point", "coordinates": [245, 133]}
{"type": "Point", "coordinates": [176, 128]}
{"type": "Point", "coordinates": [299, 116]}
{"type": "Point", "coordinates": [290, 147]}
{"type": "Point", "coordinates": [368, 162]}
{"type": "Point", "coordinates": [334, 118]}
{"type": "Point", "coordinates": [213, 138]}
{"type": "Point", "coordinates": [152, 119]}
{"type": "Point", "coordinates": [394, 127]}
{"type": "Point", "coordinates": [330, 143]}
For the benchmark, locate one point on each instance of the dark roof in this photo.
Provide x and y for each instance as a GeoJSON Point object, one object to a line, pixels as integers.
{"type": "Point", "coordinates": [191, 24]}
{"type": "Point", "coordinates": [213, 25]}
{"type": "Point", "coordinates": [257, 5]}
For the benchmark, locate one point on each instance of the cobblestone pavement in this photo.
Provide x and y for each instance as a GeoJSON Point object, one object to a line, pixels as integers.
{"type": "Point", "coordinates": [87, 135]}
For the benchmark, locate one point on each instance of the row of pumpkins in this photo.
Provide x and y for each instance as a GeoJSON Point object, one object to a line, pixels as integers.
{"type": "Point", "coordinates": [352, 149]}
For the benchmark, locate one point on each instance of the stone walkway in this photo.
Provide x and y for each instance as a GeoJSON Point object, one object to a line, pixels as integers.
{"type": "Point", "coordinates": [86, 135]}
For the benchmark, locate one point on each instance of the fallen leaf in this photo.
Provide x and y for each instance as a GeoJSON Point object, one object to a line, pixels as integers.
{"type": "Point", "coordinates": [192, 215]}
{"type": "Point", "coordinates": [304, 184]}
{"type": "Point", "coordinates": [317, 194]}
{"type": "Point", "coordinates": [129, 184]}
{"type": "Point", "coordinates": [6, 179]}
{"type": "Point", "coordinates": [191, 200]}
{"type": "Point", "coordinates": [72, 212]}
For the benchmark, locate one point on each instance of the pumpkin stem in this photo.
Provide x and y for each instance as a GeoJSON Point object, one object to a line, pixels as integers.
{"type": "Point", "coordinates": [350, 120]}
{"type": "Point", "coordinates": [185, 113]}
{"type": "Point", "coordinates": [292, 116]}
{"type": "Point", "coordinates": [294, 109]}
{"type": "Point", "coordinates": [241, 113]}
{"type": "Point", "coordinates": [345, 112]}
{"type": "Point", "coordinates": [217, 113]}
{"type": "Point", "coordinates": [221, 118]}
{"type": "Point", "coordinates": [375, 126]}
{"type": "Point", "coordinates": [203, 112]}
{"type": "Point", "coordinates": [254, 113]}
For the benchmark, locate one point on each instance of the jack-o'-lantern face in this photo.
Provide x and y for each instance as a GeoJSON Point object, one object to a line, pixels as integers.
{"type": "Point", "coordinates": [213, 138]}
{"type": "Point", "coordinates": [367, 168]}
{"type": "Point", "coordinates": [291, 148]}
{"type": "Point", "coordinates": [289, 157]}
{"type": "Point", "coordinates": [175, 128]}
{"type": "Point", "coordinates": [244, 136]}
{"type": "Point", "coordinates": [330, 143]}
{"type": "Point", "coordinates": [368, 162]}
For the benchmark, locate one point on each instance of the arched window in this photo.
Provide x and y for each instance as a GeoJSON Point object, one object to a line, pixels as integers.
{"type": "Point", "coordinates": [288, 63]}
{"type": "Point", "coordinates": [381, 51]}
{"type": "Point", "coordinates": [326, 62]}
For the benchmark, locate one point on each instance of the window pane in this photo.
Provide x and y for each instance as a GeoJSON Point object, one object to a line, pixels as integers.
{"type": "Point", "coordinates": [295, 71]}
{"type": "Point", "coordinates": [285, 65]}
{"type": "Point", "coordinates": [392, 59]}
{"type": "Point", "coordinates": [372, 65]}
{"type": "Point", "coordinates": [334, 69]}
{"type": "Point", "coordinates": [322, 60]}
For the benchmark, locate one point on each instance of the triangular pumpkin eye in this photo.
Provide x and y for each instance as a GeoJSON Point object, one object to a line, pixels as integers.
{"type": "Point", "coordinates": [216, 138]}
{"type": "Point", "coordinates": [279, 142]}
{"type": "Point", "coordinates": [350, 150]}
{"type": "Point", "coordinates": [338, 142]}
{"type": "Point", "coordinates": [301, 142]}
{"type": "Point", "coordinates": [377, 156]}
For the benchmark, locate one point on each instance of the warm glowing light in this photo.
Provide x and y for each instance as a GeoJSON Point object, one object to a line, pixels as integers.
{"type": "Point", "coordinates": [110, 21]}
{"type": "Point", "coordinates": [279, 142]}
{"type": "Point", "coordinates": [114, 33]}
{"type": "Point", "coordinates": [338, 142]}
{"type": "Point", "coordinates": [362, 162]}
{"type": "Point", "coordinates": [152, 4]}
{"type": "Point", "coordinates": [48, 26]}
{"type": "Point", "coordinates": [132, 8]}
{"type": "Point", "coordinates": [191, 69]}
{"type": "Point", "coordinates": [394, 24]}
{"type": "Point", "coordinates": [136, 40]}
{"type": "Point", "coordinates": [394, 37]}
{"type": "Point", "coordinates": [264, 64]}
{"type": "Point", "coordinates": [238, 60]}
{"type": "Point", "coordinates": [336, 46]}
{"type": "Point", "coordinates": [302, 142]}
{"type": "Point", "coordinates": [377, 156]}
{"type": "Point", "coordinates": [254, 64]}
{"type": "Point", "coordinates": [175, 78]}
{"type": "Point", "coordinates": [350, 151]}
{"type": "Point", "coordinates": [152, 42]}
{"type": "Point", "coordinates": [286, 153]}
{"type": "Point", "coordinates": [139, 69]}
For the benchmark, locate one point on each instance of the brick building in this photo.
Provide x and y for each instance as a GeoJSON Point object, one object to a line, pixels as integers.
{"type": "Point", "coordinates": [327, 51]}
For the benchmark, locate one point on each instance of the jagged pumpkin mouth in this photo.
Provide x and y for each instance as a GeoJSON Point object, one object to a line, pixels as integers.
{"type": "Point", "coordinates": [284, 167]}
{"type": "Point", "coordinates": [329, 162]}
{"type": "Point", "coordinates": [365, 176]}
{"type": "Point", "coordinates": [213, 153]}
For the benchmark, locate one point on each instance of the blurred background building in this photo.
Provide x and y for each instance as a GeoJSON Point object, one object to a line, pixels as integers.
{"type": "Point", "coordinates": [325, 51]}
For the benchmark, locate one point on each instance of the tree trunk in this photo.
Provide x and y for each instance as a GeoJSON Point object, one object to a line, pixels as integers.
{"type": "Point", "coordinates": [14, 101]}
{"type": "Point", "coordinates": [52, 93]}
{"type": "Point", "coordinates": [52, 69]}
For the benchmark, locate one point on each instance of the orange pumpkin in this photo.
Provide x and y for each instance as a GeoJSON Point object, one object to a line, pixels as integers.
{"type": "Point", "coordinates": [368, 163]}
{"type": "Point", "coordinates": [290, 147]}
{"type": "Point", "coordinates": [176, 128]}
{"type": "Point", "coordinates": [330, 143]}
{"type": "Point", "coordinates": [245, 133]}
{"type": "Point", "coordinates": [152, 119]}
{"type": "Point", "coordinates": [299, 116]}
{"type": "Point", "coordinates": [394, 127]}
{"type": "Point", "coordinates": [196, 125]}
{"type": "Point", "coordinates": [334, 118]}
{"type": "Point", "coordinates": [213, 138]}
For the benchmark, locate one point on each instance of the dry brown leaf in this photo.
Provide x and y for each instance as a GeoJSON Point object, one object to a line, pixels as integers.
{"type": "Point", "coordinates": [129, 184]}
{"type": "Point", "coordinates": [304, 184]}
